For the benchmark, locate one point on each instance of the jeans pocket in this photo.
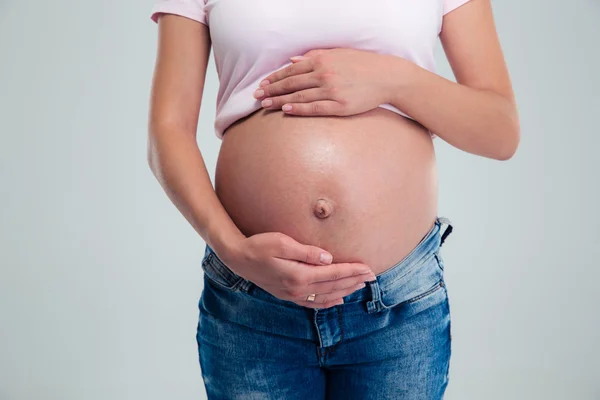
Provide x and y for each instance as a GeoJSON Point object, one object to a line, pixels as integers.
{"type": "Point", "coordinates": [418, 289]}
{"type": "Point", "coordinates": [219, 274]}
{"type": "Point", "coordinates": [428, 292]}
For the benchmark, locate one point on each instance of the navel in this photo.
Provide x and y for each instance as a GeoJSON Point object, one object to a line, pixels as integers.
{"type": "Point", "coordinates": [322, 209]}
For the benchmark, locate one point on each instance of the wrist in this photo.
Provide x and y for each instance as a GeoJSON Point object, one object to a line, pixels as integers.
{"type": "Point", "coordinates": [396, 71]}
{"type": "Point", "coordinates": [225, 241]}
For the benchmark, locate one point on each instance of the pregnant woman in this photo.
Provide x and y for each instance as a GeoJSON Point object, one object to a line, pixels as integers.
{"type": "Point", "coordinates": [323, 276]}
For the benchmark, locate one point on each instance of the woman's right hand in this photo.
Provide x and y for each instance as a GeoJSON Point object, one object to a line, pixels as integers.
{"type": "Point", "coordinates": [291, 271]}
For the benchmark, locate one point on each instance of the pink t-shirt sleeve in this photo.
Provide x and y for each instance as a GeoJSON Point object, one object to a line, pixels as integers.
{"type": "Point", "coordinates": [450, 5]}
{"type": "Point", "coordinates": [193, 9]}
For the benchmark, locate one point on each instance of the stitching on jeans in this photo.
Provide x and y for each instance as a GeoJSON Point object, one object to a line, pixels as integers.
{"type": "Point", "coordinates": [253, 297]}
{"type": "Point", "coordinates": [449, 334]}
{"type": "Point", "coordinates": [223, 272]}
{"type": "Point", "coordinates": [331, 348]}
{"type": "Point", "coordinates": [435, 288]}
{"type": "Point", "coordinates": [316, 324]}
{"type": "Point", "coordinates": [229, 286]}
{"type": "Point", "coordinates": [428, 292]}
{"type": "Point", "coordinates": [207, 259]}
{"type": "Point", "coordinates": [219, 285]}
{"type": "Point", "coordinates": [439, 260]}
{"type": "Point", "coordinates": [339, 311]}
{"type": "Point", "coordinates": [223, 269]}
{"type": "Point", "coordinates": [424, 259]}
{"type": "Point", "coordinates": [427, 236]}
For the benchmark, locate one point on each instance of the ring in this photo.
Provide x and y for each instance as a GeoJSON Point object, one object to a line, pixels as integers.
{"type": "Point", "coordinates": [311, 297]}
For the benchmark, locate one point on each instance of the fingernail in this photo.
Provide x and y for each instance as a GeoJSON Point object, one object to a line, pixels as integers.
{"type": "Point", "coordinates": [264, 83]}
{"type": "Point", "coordinates": [259, 93]}
{"type": "Point", "coordinates": [326, 258]}
{"type": "Point", "coordinates": [286, 107]}
{"type": "Point", "coordinates": [267, 103]}
{"type": "Point", "coordinates": [360, 285]}
{"type": "Point", "coordinates": [341, 301]}
{"type": "Point", "coordinates": [296, 58]}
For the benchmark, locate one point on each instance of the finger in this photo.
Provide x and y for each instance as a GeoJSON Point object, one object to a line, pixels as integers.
{"type": "Point", "coordinates": [302, 96]}
{"type": "Point", "coordinates": [321, 107]}
{"type": "Point", "coordinates": [330, 298]}
{"type": "Point", "coordinates": [289, 85]}
{"type": "Point", "coordinates": [300, 67]}
{"type": "Point", "coordinates": [296, 59]}
{"type": "Point", "coordinates": [311, 304]}
{"type": "Point", "coordinates": [316, 52]}
{"type": "Point", "coordinates": [290, 249]}
{"type": "Point", "coordinates": [340, 284]}
{"type": "Point", "coordinates": [325, 298]}
{"type": "Point", "coordinates": [333, 272]}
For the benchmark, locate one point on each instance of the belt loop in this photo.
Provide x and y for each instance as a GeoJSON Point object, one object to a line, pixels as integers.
{"type": "Point", "coordinates": [447, 231]}
{"type": "Point", "coordinates": [374, 304]}
{"type": "Point", "coordinates": [245, 285]}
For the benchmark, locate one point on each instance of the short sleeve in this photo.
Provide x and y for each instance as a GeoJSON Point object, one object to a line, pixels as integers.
{"type": "Point", "coordinates": [193, 9]}
{"type": "Point", "coordinates": [449, 5]}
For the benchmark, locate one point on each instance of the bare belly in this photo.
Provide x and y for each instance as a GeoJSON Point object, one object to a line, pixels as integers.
{"type": "Point", "coordinates": [363, 187]}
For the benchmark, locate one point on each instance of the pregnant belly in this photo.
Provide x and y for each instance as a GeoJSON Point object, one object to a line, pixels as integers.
{"type": "Point", "coordinates": [362, 187]}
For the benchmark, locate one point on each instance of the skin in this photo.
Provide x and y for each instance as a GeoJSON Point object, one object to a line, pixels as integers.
{"type": "Point", "coordinates": [477, 114]}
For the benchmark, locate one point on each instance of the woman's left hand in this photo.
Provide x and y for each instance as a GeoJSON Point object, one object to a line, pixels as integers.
{"type": "Point", "coordinates": [337, 81]}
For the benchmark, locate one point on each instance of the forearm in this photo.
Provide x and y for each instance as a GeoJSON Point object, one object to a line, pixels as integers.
{"type": "Point", "coordinates": [477, 121]}
{"type": "Point", "coordinates": [176, 162]}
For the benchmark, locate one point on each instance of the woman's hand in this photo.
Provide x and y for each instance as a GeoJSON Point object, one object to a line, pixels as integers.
{"type": "Point", "coordinates": [291, 271]}
{"type": "Point", "coordinates": [328, 82]}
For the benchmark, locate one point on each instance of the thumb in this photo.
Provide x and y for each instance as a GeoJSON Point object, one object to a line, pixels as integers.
{"type": "Point", "coordinates": [307, 254]}
{"type": "Point", "coordinates": [318, 256]}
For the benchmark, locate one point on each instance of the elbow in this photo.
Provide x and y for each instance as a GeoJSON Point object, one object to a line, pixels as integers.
{"type": "Point", "coordinates": [509, 139]}
{"type": "Point", "coordinates": [150, 154]}
{"type": "Point", "coordinates": [156, 132]}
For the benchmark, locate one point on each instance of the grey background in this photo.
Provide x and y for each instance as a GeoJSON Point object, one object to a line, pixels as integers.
{"type": "Point", "coordinates": [100, 274]}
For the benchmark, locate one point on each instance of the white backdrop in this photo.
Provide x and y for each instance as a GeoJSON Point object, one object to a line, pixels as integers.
{"type": "Point", "coordinates": [100, 275]}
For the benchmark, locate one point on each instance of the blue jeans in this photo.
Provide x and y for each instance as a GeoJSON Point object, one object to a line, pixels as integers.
{"type": "Point", "coordinates": [389, 340]}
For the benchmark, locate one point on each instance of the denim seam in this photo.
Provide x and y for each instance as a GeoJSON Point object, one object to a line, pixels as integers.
{"type": "Point", "coordinates": [315, 316]}
{"type": "Point", "coordinates": [424, 258]}
{"type": "Point", "coordinates": [449, 335]}
{"type": "Point", "coordinates": [252, 285]}
{"type": "Point", "coordinates": [448, 311]}
{"type": "Point", "coordinates": [218, 268]}
{"type": "Point", "coordinates": [232, 288]}
{"type": "Point", "coordinates": [438, 261]}
{"type": "Point", "coordinates": [432, 290]}
{"type": "Point", "coordinates": [223, 269]}
{"type": "Point", "coordinates": [219, 284]}
{"type": "Point", "coordinates": [296, 307]}
{"type": "Point", "coordinates": [339, 313]}
{"type": "Point", "coordinates": [218, 318]}
{"type": "Point", "coordinates": [418, 297]}
{"type": "Point", "coordinates": [423, 240]}
{"type": "Point", "coordinates": [326, 350]}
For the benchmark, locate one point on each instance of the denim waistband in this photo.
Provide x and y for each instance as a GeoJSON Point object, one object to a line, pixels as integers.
{"type": "Point", "coordinates": [423, 251]}
{"type": "Point", "coordinates": [428, 246]}
{"type": "Point", "coordinates": [418, 276]}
